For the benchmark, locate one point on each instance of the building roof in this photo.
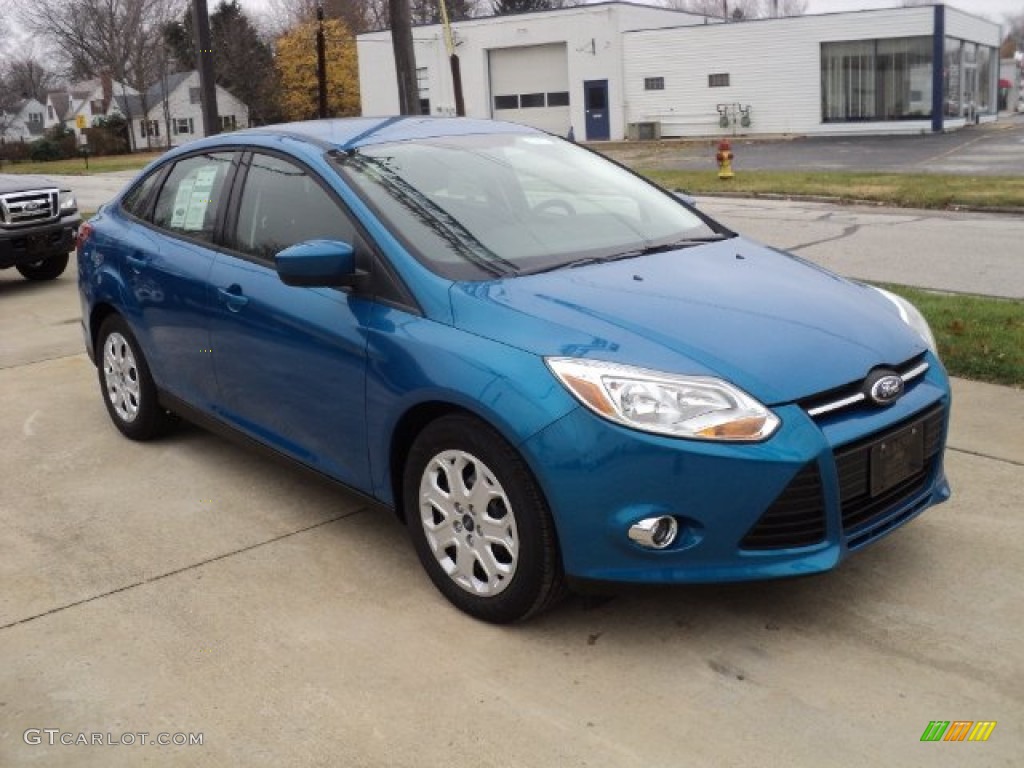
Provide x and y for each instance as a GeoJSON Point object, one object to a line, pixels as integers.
{"type": "Point", "coordinates": [165, 86]}
{"type": "Point", "coordinates": [128, 105]}
{"type": "Point", "coordinates": [60, 101]}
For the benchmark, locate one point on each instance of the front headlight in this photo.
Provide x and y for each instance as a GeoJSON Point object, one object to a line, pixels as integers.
{"type": "Point", "coordinates": [68, 204]}
{"type": "Point", "coordinates": [696, 407]}
{"type": "Point", "coordinates": [910, 315]}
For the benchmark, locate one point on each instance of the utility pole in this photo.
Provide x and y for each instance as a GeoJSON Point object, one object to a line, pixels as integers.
{"type": "Point", "coordinates": [204, 62]}
{"type": "Point", "coordinates": [405, 59]}
{"type": "Point", "coordinates": [321, 61]}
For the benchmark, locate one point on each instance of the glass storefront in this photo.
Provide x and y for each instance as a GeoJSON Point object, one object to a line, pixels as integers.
{"type": "Point", "coordinates": [968, 79]}
{"type": "Point", "coordinates": [888, 79]}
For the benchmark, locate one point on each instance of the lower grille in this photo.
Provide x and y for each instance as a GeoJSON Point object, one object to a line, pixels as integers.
{"type": "Point", "coordinates": [795, 519]}
{"type": "Point", "coordinates": [853, 465]}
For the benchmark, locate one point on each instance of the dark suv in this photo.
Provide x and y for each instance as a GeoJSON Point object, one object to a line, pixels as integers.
{"type": "Point", "coordinates": [38, 225]}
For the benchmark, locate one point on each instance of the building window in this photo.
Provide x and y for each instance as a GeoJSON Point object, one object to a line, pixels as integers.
{"type": "Point", "coordinates": [182, 125]}
{"type": "Point", "coordinates": [96, 107]}
{"type": "Point", "coordinates": [558, 99]}
{"type": "Point", "coordinates": [654, 83]}
{"type": "Point", "coordinates": [35, 117]}
{"type": "Point", "coordinates": [888, 79]}
{"type": "Point", "coordinates": [228, 123]}
{"type": "Point", "coordinates": [423, 87]}
{"type": "Point", "coordinates": [49, 111]}
{"type": "Point", "coordinates": [149, 128]}
{"type": "Point", "coordinates": [193, 96]}
{"type": "Point", "coordinates": [720, 80]}
{"type": "Point", "coordinates": [528, 100]}
{"type": "Point", "coordinates": [506, 102]}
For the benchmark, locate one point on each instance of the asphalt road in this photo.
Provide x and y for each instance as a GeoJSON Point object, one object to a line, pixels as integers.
{"type": "Point", "coordinates": [190, 586]}
{"type": "Point", "coordinates": [992, 149]}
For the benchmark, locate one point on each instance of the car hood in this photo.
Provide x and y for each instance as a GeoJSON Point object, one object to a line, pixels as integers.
{"type": "Point", "coordinates": [18, 183]}
{"type": "Point", "coordinates": [775, 325]}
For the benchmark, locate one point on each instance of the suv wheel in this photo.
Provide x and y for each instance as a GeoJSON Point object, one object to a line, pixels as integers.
{"type": "Point", "coordinates": [128, 389]}
{"type": "Point", "coordinates": [44, 269]}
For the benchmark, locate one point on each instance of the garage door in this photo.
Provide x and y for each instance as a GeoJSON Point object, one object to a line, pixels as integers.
{"type": "Point", "coordinates": [530, 85]}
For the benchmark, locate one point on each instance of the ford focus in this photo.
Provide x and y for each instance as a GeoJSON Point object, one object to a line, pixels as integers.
{"type": "Point", "coordinates": [552, 370]}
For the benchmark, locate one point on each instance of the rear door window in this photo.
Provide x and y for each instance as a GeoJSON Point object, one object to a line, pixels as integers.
{"type": "Point", "coordinates": [193, 195]}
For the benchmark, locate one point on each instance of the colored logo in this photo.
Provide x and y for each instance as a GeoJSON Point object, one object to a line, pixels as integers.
{"type": "Point", "coordinates": [884, 387]}
{"type": "Point", "coordinates": [958, 730]}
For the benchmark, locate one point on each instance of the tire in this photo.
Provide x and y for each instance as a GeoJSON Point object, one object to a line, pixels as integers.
{"type": "Point", "coordinates": [49, 268]}
{"type": "Point", "coordinates": [479, 522]}
{"type": "Point", "coordinates": [126, 384]}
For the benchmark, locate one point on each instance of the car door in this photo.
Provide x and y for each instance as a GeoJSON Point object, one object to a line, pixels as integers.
{"type": "Point", "coordinates": [166, 266]}
{"type": "Point", "coordinates": [290, 362]}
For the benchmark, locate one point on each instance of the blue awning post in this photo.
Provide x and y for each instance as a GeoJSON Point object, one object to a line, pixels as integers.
{"type": "Point", "coordinates": [938, 64]}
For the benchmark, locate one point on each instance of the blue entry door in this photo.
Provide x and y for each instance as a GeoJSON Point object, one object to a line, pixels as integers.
{"type": "Point", "coordinates": [595, 101]}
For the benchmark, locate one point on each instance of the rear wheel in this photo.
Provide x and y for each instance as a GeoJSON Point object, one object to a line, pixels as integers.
{"type": "Point", "coordinates": [479, 522]}
{"type": "Point", "coordinates": [45, 269]}
{"type": "Point", "coordinates": [128, 389]}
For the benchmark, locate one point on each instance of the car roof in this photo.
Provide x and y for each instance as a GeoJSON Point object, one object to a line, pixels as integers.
{"type": "Point", "coordinates": [349, 133]}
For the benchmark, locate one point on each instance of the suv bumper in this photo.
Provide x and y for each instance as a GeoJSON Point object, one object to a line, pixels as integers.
{"type": "Point", "coordinates": [30, 244]}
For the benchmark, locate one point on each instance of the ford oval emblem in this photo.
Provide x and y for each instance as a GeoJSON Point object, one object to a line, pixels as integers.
{"type": "Point", "coordinates": [885, 388]}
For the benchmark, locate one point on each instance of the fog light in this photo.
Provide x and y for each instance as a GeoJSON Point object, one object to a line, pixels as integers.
{"type": "Point", "coordinates": [654, 532]}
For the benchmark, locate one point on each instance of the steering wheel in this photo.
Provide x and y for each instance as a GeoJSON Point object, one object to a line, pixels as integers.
{"type": "Point", "coordinates": [554, 204]}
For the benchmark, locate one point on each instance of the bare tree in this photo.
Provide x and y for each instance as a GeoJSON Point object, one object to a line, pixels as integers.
{"type": "Point", "coordinates": [24, 76]}
{"type": "Point", "coordinates": [740, 9]}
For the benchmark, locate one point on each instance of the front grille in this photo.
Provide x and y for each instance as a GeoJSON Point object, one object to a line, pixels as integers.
{"type": "Point", "coordinates": [795, 519]}
{"type": "Point", "coordinates": [852, 394]}
{"type": "Point", "coordinates": [32, 207]}
{"type": "Point", "coordinates": [853, 466]}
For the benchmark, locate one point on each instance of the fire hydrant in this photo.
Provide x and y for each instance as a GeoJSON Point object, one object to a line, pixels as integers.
{"type": "Point", "coordinates": [724, 158]}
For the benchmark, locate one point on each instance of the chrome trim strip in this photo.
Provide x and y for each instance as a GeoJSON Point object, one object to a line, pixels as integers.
{"type": "Point", "coordinates": [913, 373]}
{"type": "Point", "coordinates": [835, 406]}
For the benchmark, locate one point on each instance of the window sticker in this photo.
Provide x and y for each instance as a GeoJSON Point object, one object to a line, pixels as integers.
{"type": "Point", "coordinates": [193, 200]}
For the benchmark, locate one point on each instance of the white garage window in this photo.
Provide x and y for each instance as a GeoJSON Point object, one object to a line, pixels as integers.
{"type": "Point", "coordinates": [506, 102]}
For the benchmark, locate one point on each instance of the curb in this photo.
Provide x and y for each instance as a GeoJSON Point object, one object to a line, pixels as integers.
{"type": "Point", "coordinates": [1002, 210]}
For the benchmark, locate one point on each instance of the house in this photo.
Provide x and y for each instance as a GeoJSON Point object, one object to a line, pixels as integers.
{"type": "Point", "coordinates": [169, 114]}
{"type": "Point", "coordinates": [25, 122]}
{"type": "Point", "coordinates": [612, 70]}
{"type": "Point", "coordinates": [88, 99]}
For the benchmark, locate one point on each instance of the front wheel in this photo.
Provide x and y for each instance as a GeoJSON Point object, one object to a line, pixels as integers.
{"type": "Point", "coordinates": [479, 522]}
{"type": "Point", "coordinates": [45, 269]}
{"type": "Point", "coordinates": [128, 389]}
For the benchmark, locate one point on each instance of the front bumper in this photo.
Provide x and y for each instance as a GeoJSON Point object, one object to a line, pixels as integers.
{"type": "Point", "coordinates": [26, 245]}
{"type": "Point", "coordinates": [730, 500]}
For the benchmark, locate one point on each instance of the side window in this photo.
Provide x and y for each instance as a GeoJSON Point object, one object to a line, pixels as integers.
{"type": "Point", "coordinates": [192, 195]}
{"type": "Point", "coordinates": [138, 201]}
{"type": "Point", "coordinates": [282, 205]}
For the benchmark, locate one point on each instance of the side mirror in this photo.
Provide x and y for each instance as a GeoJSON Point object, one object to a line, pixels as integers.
{"type": "Point", "coordinates": [685, 197]}
{"type": "Point", "coordinates": [318, 263]}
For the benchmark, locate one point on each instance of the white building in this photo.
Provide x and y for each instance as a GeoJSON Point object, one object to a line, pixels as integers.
{"type": "Point", "coordinates": [88, 99]}
{"type": "Point", "coordinates": [23, 123]}
{"type": "Point", "coordinates": [539, 68]}
{"type": "Point", "coordinates": [612, 70]}
{"type": "Point", "coordinates": [170, 114]}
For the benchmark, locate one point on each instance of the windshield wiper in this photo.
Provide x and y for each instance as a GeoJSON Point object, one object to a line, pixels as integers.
{"type": "Point", "coordinates": [675, 245]}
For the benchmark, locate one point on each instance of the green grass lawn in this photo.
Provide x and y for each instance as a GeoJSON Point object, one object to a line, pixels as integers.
{"type": "Point", "coordinates": [76, 166]}
{"type": "Point", "coordinates": [912, 190]}
{"type": "Point", "coordinates": [979, 338]}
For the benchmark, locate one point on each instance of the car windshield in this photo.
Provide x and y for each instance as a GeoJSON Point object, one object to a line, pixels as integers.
{"type": "Point", "coordinates": [485, 206]}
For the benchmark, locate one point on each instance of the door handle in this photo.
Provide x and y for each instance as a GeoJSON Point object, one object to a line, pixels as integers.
{"type": "Point", "coordinates": [233, 297]}
{"type": "Point", "coordinates": [136, 260]}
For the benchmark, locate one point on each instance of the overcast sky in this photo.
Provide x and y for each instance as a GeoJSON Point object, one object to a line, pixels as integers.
{"type": "Point", "coordinates": [994, 9]}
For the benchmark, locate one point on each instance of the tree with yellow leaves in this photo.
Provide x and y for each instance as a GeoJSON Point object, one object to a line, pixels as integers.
{"type": "Point", "coordinates": [295, 61]}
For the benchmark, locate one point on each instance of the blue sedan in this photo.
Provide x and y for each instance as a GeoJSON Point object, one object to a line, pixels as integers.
{"type": "Point", "coordinates": [549, 368]}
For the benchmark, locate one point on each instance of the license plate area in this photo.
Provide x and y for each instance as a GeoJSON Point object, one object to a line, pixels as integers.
{"type": "Point", "coordinates": [896, 458]}
{"type": "Point", "coordinates": [37, 243]}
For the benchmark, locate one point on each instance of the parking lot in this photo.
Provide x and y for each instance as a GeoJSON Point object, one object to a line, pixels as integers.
{"type": "Point", "coordinates": [188, 586]}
